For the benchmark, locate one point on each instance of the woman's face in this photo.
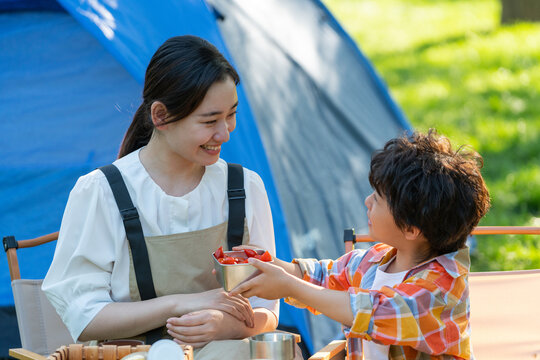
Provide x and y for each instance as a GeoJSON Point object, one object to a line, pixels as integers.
{"type": "Point", "coordinates": [197, 138]}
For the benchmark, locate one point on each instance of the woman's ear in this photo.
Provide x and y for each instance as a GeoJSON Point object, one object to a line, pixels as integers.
{"type": "Point", "coordinates": [159, 114]}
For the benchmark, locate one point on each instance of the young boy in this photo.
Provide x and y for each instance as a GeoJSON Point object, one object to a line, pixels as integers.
{"type": "Point", "coordinates": [407, 296]}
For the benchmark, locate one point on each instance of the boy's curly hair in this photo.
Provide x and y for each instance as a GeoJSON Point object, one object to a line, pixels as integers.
{"type": "Point", "coordinates": [432, 187]}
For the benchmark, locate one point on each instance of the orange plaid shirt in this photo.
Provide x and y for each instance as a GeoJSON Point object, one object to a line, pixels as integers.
{"type": "Point", "coordinates": [424, 317]}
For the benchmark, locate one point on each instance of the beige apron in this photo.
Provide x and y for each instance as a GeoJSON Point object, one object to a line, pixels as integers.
{"type": "Point", "coordinates": [182, 264]}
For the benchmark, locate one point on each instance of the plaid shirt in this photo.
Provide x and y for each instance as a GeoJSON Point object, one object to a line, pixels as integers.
{"type": "Point", "coordinates": [424, 317]}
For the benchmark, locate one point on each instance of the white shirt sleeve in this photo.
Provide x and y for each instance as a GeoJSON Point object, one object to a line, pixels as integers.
{"type": "Point", "coordinates": [261, 228]}
{"type": "Point", "coordinates": [78, 281]}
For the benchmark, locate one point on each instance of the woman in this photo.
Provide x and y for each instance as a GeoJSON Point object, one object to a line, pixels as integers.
{"type": "Point", "coordinates": [177, 184]}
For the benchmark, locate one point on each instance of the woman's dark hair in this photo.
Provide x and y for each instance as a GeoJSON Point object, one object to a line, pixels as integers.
{"type": "Point", "coordinates": [432, 187]}
{"type": "Point", "coordinates": [179, 76]}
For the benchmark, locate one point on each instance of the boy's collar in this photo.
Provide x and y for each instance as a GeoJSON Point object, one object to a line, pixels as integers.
{"type": "Point", "coordinates": [382, 251]}
{"type": "Point", "coordinates": [456, 263]}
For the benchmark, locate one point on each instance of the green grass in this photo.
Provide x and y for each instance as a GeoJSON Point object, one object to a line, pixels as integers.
{"type": "Point", "coordinates": [450, 65]}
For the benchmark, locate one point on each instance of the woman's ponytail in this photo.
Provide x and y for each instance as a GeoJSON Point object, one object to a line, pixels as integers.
{"type": "Point", "coordinates": [139, 132]}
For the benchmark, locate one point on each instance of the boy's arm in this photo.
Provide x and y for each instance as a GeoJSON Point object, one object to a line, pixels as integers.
{"type": "Point", "coordinates": [276, 282]}
{"type": "Point", "coordinates": [289, 267]}
{"type": "Point", "coordinates": [333, 303]}
{"type": "Point", "coordinates": [421, 306]}
{"type": "Point", "coordinates": [429, 314]}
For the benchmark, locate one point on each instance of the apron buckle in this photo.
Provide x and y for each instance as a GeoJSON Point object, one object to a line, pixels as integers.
{"type": "Point", "coordinates": [235, 194]}
{"type": "Point", "coordinates": [129, 214]}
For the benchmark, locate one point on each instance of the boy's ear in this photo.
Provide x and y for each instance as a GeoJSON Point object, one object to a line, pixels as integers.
{"type": "Point", "coordinates": [412, 233]}
{"type": "Point", "coordinates": [159, 114]}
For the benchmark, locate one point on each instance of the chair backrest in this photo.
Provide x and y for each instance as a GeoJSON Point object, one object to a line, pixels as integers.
{"type": "Point", "coordinates": [505, 315]}
{"type": "Point", "coordinates": [41, 329]}
{"type": "Point", "coordinates": [350, 238]}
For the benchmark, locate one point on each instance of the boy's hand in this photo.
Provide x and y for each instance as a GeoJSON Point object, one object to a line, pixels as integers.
{"type": "Point", "coordinates": [273, 282]}
{"type": "Point", "coordinates": [292, 269]}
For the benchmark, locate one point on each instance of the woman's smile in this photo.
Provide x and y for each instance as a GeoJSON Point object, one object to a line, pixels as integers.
{"type": "Point", "coordinates": [212, 149]}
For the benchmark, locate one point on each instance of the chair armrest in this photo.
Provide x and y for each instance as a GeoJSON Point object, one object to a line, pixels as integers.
{"type": "Point", "coordinates": [333, 351]}
{"type": "Point", "coordinates": [297, 337]}
{"type": "Point", "coordinates": [23, 354]}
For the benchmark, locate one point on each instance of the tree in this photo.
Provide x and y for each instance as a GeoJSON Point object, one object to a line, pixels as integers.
{"type": "Point", "coordinates": [520, 10]}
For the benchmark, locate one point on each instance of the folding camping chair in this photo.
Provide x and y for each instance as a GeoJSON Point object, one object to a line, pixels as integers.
{"type": "Point", "coordinates": [40, 328]}
{"type": "Point", "coordinates": [505, 316]}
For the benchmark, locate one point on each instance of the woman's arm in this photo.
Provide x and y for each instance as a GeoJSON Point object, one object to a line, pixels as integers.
{"type": "Point", "coordinates": [126, 319]}
{"type": "Point", "coordinates": [201, 327]}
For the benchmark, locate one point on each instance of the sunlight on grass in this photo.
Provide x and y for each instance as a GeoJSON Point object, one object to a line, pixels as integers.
{"type": "Point", "coordinates": [509, 46]}
{"type": "Point", "coordinates": [450, 65]}
{"type": "Point", "coordinates": [404, 25]}
{"type": "Point", "coordinates": [522, 198]}
{"type": "Point", "coordinates": [503, 79]}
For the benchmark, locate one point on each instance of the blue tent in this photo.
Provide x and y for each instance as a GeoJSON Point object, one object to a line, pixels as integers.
{"type": "Point", "coordinates": [312, 109]}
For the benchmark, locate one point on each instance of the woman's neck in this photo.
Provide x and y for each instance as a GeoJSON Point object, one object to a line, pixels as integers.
{"type": "Point", "coordinates": [173, 174]}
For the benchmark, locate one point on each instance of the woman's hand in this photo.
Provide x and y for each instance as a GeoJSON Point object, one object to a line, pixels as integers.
{"type": "Point", "coordinates": [274, 282]}
{"type": "Point", "coordinates": [198, 328]}
{"type": "Point", "coordinates": [218, 299]}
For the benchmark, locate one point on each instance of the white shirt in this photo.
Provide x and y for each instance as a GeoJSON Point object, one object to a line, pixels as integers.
{"type": "Point", "coordinates": [372, 350]}
{"type": "Point", "coordinates": [90, 267]}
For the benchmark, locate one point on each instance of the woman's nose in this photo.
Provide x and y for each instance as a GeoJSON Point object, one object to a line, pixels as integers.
{"type": "Point", "coordinates": [222, 132]}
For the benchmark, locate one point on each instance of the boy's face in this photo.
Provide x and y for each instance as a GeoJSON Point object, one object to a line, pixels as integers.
{"type": "Point", "coordinates": [382, 227]}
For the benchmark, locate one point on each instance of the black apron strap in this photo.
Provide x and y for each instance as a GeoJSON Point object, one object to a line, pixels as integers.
{"type": "Point", "coordinates": [135, 236]}
{"type": "Point", "coordinates": [237, 206]}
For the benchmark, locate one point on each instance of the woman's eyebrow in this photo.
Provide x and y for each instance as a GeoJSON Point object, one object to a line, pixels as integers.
{"type": "Point", "coordinates": [213, 113]}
